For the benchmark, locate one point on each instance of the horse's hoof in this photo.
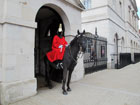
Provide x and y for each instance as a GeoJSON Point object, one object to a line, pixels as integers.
{"type": "Point", "coordinates": [65, 93]}
{"type": "Point", "coordinates": [50, 86]}
{"type": "Point", "coordinates": [68, 89]}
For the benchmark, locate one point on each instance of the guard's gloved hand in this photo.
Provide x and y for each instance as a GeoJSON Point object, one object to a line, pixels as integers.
{"type": "Point", "coordinates": [60, 46]}
{"type": "Point", "coordinates": [67, 45]}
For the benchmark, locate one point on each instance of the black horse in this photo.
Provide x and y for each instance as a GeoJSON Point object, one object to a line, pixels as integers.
{"type": "Point", "coordinates": [69, 61]}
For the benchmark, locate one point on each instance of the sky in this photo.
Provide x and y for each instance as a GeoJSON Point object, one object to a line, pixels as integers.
{"type": "Point", "coordinates": [138, 5]}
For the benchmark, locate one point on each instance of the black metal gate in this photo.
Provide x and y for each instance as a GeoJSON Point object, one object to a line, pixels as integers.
{"type": "Point", "coordinates": [95, 57]}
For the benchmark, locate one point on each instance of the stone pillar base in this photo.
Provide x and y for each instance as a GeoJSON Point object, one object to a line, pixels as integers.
{"type": "Point", "coordinates": [15, 91]}
{"type": "Point", "coordinates": [79, 71]}
{"type": "Point", "coordinates": [109, 66]}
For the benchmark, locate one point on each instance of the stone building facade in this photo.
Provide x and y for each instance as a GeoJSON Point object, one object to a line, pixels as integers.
{"type": "Point", "coordinates": [117, 20]}
{"type": "Point", "coordinates": [20, 23]}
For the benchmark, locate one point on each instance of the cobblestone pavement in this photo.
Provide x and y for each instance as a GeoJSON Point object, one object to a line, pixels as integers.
{"type": "Point", "coordinates": [106, 87]}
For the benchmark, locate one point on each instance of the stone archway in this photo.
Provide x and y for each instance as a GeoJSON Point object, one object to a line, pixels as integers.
{"type": "Point", "coordinates": [48, 19]}
{"type": "Point", "coordinates": [60, 11]}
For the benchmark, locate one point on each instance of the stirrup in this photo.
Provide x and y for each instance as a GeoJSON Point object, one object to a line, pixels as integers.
{"type": "Point", "coordinates": [61, 65]}
{"type": "Point", "coordinates": [57, 66]}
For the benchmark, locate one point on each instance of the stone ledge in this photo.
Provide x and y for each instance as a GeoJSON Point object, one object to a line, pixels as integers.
{"type": "Point", "coordinates": [15, 91]}
{"type": "Point", "coordinates": [16, 21]}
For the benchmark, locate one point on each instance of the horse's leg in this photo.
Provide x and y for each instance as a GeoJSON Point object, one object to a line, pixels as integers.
{"type": "Point", "coordinates": [47, 76]}
{"type": "Point", "coordinates": [64, 81]}
{"type": "Point", "coordinates": [69, 78]}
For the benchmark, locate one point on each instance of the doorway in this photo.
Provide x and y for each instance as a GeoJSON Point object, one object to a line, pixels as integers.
{"type": "Point", "coordinates": [48, 21]}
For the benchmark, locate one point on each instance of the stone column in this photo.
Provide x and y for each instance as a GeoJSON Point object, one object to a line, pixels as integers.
{"type": "Point", "coordinates": [17, 62]}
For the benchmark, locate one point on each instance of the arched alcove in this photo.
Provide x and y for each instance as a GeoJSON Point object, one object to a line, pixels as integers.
{"type": "Point", "coordinates": [48, 19]}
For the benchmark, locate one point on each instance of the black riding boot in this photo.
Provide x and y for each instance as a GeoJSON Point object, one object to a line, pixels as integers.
{"type": "Point", "coordinates": [57, 66]}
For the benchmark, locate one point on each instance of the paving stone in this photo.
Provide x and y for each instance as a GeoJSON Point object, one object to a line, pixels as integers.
{"type": "Point", "coordinates": [106, 87]}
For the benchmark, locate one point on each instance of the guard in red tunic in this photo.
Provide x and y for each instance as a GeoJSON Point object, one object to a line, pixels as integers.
{"type": "Point", "coordinates": [58, 47]}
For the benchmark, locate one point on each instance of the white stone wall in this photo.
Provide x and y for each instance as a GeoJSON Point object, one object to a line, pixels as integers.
{"type": "Point", "coordinates": [17, 42]}
{"type": "Point", "coordinates": [98, 3]}
{"type": "Point", "coordinates": [94, 15]}
{"type": "Point", "coordinates": [96, 18]}
{"type": "Point", "coordinates": [110, 18]}
{"type": "Point", "coordinates": [1, 36]}
{"type": "Point", "coordinates": [18, 52]}
{"type": "Point", "coordinates": [113, 29]}
{"type": "Point", "coordinates": [1, 9]}
{"type": "Point", "coordinates": [1, 53]}
{"type": "Point", "coordinates": [18, 90]}
{"type": "Point", "coordinates": [128, 17]}
{"type": "Point", "coordinates": [115, 6]}
{"type": "Point", "coordinates": [17, 63]}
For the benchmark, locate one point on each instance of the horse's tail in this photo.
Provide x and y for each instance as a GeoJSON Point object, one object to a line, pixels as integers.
{"type": "Point", "coordinates": [45, 59]}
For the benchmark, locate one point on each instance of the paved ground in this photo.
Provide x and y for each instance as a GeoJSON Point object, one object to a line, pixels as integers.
{"type": "Point", "coordinates": [107, 87]}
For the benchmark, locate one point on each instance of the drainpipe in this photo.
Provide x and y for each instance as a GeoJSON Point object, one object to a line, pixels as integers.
{"type": "Point", "coordinates": [117, 53]}
{"type": "Point", "coordinates": [96, 36]}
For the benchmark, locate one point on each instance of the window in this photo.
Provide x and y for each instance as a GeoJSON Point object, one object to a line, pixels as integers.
{"type": "Point", "coordinates": [120, 8]}
{"type": "Point", "coordinates": [87, 4]}
{"type": "Point", "coordinates": [133, 13]}
{"type": "Point", "coordinates": [129, 13]}
{"type": "Point", "coordinates": [135, 22]}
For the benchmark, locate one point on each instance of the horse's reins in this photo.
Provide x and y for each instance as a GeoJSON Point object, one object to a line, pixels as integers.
{"type": "Point", "coordinates": [71, 55]}
{"type": "Point", "coordinates": [78, 53]}
{"type": "Point", "coordinates": [70, 48]}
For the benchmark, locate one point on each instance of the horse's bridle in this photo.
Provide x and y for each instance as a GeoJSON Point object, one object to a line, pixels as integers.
{"type": "Point", "coordinates": [80, 52]}
{"type": "Point", "coordinates": [71, 54]}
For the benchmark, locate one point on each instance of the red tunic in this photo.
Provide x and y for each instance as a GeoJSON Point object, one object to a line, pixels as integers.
{"type": "Point", "coordinates": [57, 53]}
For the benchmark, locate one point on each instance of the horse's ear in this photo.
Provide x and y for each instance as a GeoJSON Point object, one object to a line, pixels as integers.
{"type": "Point", "coordinates": [78, 32]}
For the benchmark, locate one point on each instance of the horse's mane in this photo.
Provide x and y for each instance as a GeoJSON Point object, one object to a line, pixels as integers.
{"type": "Point", "coordinates": [74, 40]}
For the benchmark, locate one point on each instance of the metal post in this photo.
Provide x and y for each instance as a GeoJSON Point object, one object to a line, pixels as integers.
{"type": "Point", "coordinates": [117, 52]}
{"type": "Point", "coordinates": [96, 36]}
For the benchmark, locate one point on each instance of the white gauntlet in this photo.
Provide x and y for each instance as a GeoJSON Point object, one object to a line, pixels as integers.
{"type": "Point", "coordinates": [60, 46]}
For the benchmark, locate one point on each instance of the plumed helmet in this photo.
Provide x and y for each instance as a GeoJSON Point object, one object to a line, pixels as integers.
{"type": "Point", "coordinates": [60, 28]}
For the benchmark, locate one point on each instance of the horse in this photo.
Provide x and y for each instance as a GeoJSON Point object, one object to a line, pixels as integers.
{"type": "Point", "coordinates": [78, 44]}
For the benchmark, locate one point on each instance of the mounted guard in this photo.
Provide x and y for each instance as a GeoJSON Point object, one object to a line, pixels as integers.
{"type": "Point", "coordinates": [58, 49]}
{"type": "Point", "coordinates": [70, 56]}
